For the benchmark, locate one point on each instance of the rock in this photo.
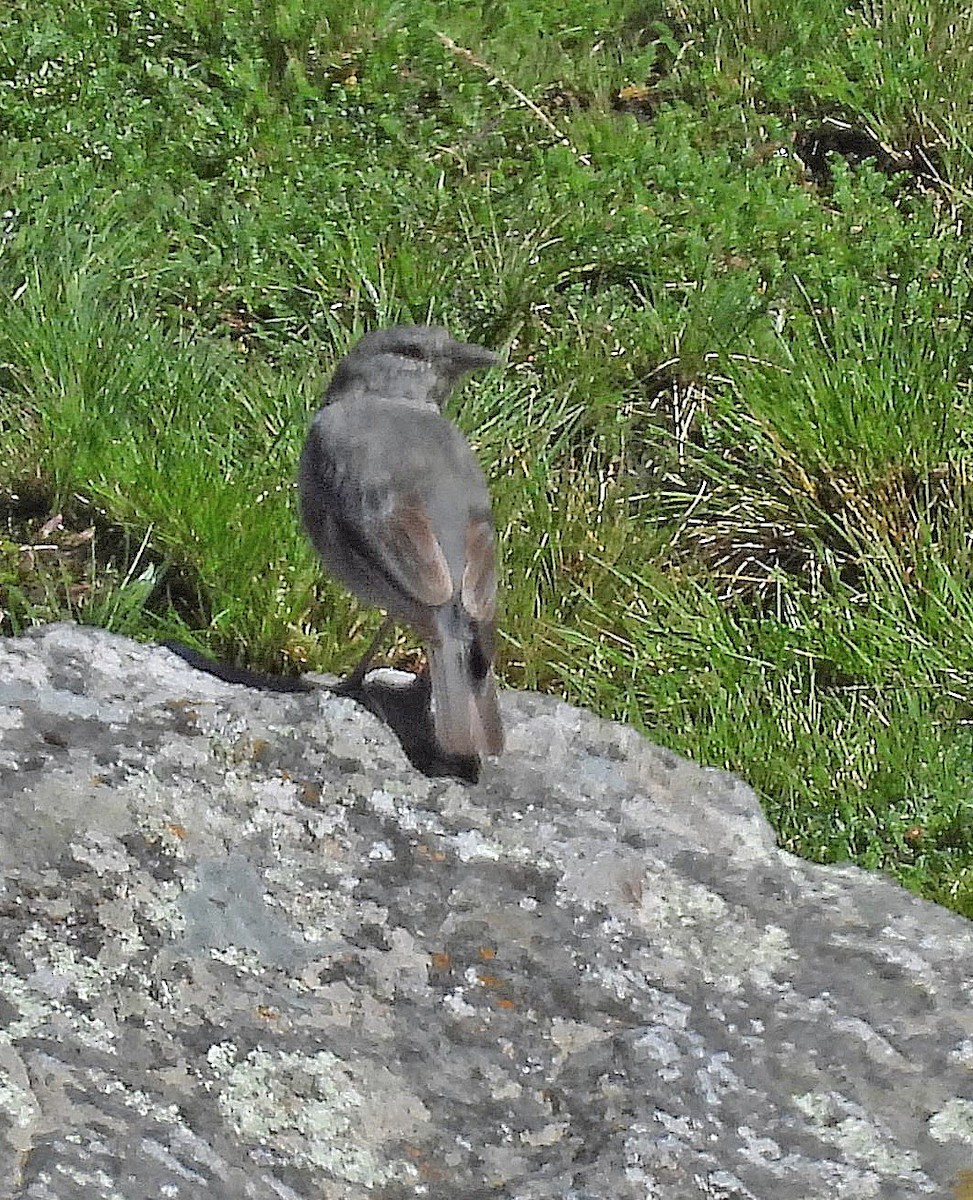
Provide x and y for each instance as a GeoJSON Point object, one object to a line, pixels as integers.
{"type": "Point", "coordinates": [247, 951]}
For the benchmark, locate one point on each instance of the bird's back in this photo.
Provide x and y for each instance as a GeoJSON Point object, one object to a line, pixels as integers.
{"type": "Point", "coordinates": [366, 457]}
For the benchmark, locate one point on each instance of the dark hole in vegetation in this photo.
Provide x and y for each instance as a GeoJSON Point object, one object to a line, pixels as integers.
{"type": "Point", "coordinates": [857, 144]}
{"type": "Point", "coordinates": [56, 559]}
{"type": "Point", "coordinates": [957, 834]}
{"type": "Point", "coordinates": [638, 100]}
{"type": "Point", "coordinates": [557, 96]}
{"type": "Point", "coordinates": [598, 277]}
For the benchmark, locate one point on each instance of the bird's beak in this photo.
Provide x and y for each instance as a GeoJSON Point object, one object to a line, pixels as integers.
{"type": "Point", "coordinates": [470, 357]}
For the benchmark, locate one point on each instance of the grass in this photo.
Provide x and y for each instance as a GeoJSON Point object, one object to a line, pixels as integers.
{"type": "Point", "coordinates": [731, 447]}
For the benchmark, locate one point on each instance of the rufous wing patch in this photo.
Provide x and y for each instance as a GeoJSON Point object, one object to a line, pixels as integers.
{"type": "Point", "coordinates": [479, 587]}
{"type": "Point", "coordinates": [414, 555]}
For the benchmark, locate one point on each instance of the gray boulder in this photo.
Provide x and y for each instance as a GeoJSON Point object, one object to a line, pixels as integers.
{"type": "Point", "coordinates": [248, 951]}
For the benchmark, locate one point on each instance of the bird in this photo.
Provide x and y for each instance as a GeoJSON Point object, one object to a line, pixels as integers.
{"type": "Point", "coordinates": [397, 507]}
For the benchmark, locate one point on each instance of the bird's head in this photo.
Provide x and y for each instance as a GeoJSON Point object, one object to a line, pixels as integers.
{"type": "Point", "coordinates": [414, 364]}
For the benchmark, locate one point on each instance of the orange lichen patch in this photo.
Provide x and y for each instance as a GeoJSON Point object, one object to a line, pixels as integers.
{"type": "Point", "coordinates": [495, 984]}
{"type": "Point", "coordinates": [487, 953]}
{"type": "Point", "coordinates": [310, 792]}
{"type": "Point", "coordinates": [424, 851]}
{"type": "Point", "coordinates": [441, 961]}
{"type": "Point", "coordinates": [427, 1170]}
{"type": "Point", "coordinates": [178, 831]}
{"type": "Point", "coordinates": [268, 1014]}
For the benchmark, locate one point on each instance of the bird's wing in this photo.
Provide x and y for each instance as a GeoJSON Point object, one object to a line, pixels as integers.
{"type": "Point", "coordinates": [411, 553]}
{"type": "Point", "coordinates": [377, 512]}
{"type": "Point", "coordinates": [479, 586]}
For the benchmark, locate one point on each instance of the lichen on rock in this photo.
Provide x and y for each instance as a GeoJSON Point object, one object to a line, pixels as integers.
{"type": "Point", "coordinates": [247, 950]}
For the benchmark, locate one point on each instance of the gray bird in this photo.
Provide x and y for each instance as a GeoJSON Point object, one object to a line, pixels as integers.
{"type": "Point", "coordinates": [396, 505]}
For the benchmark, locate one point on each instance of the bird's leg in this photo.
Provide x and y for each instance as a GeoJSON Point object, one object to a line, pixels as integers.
{"type": "Point", "coordinates": [353, 683]}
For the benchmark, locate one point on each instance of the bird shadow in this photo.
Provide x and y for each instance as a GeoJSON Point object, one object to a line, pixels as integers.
{"type": "Point", "coordinates": [405, 709]}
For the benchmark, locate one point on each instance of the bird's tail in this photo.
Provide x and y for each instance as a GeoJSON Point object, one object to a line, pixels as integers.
{"type": "Point", "coordinates": [464, 695]}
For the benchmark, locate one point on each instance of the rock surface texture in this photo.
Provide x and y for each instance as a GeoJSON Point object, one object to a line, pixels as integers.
{"type": "Point", "coordinates": [247, 951]}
